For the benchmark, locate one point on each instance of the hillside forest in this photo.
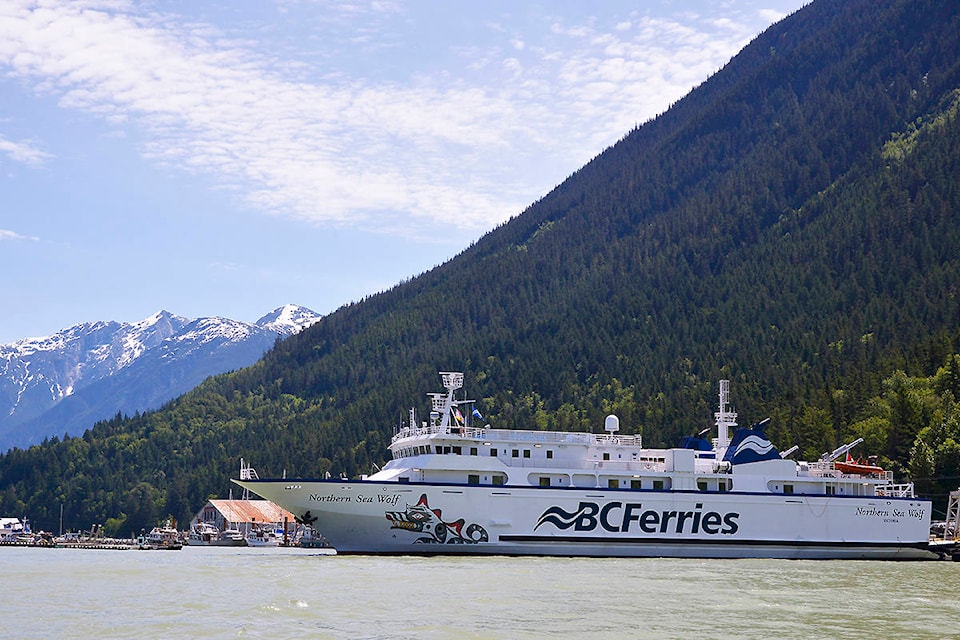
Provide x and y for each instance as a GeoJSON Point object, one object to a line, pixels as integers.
{"type": "Point", "coordinates": [791, 225]}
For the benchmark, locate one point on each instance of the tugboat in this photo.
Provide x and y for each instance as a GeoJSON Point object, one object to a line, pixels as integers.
{"type": "Point", "coordinates": [457, 486]}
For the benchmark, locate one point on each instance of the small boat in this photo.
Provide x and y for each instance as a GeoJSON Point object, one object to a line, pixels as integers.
{"type": "Point", "coordinates": [204, 534]}
{"type": "Point", "coordinates": [312, 540]}
{"type": "Point", "coordinates": [161, 538]}
{"type": "Point", "coordinates": [265, 537]}
{"type": "Point", "coordinates": [13, 531]}
{"type": "Point", "coordinates": [859, 467]}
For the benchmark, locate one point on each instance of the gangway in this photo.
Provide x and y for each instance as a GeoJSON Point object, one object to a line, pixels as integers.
{"type": "Point", "coordinates": [950, 530]}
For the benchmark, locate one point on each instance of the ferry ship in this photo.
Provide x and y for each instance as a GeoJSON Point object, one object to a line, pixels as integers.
{"type": "Point", "coordinates": [457, 486]}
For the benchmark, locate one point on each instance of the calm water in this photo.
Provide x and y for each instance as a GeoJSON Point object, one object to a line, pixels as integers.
{"type": "Point", "coordinates": [286, 593]}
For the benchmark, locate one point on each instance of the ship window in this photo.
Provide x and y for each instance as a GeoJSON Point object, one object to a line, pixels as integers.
{"type": "Point", "coordinates": [493, 453]}
{"type": "Point", "coordinates": [636, 484]}
{"type": "Point", "coordinates": [788, 489]}
{"type": "Point", "coordinates": [438, 449]}
{"type": "Point", "coordinates": [658, 485]}
{"type": "Point", "coordinates": [473, 478]}
{"type": "Point", "coordinates": [606, 456]}
{"type": "Point", "coordinates": [549, 454]}
{"type": "Point", "coordinates": [473, 451]}
{"type": "Point", "coordinates": [497, 480]}
{"type": "Point", "coordinates": [457, 450]}
{"type": "Point", "coordinates": [403, 479]}
{"type": "Point", "coordinates": [702, 485]}
{"type": "Point", "coordinates": [830, 490]}
{"type": "Point", "coordinates": [544, 481]}
{"type": "Point", "coordinates": [723, 486]}
{"type": "Point", "coordinates": [526, 453]}
{"type": "Point", "coordinates": [515, 453]}
{"type": "Point", "coordinates": [613, 483]}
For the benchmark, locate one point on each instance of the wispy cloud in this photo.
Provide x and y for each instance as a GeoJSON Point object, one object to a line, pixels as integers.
{"type": "Point", "coordinates": [23, 152]}
{"type": "Point", "coordinates": [13, 235]}
{"type": "Point", "coordinates": [340, 148]}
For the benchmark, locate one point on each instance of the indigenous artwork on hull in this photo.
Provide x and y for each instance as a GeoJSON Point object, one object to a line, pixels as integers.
{"type": "Point", "coordinates": [420, 518]}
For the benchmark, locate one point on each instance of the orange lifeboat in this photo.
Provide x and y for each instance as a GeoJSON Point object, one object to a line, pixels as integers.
{"type": "Point", "coordinates": [858, 467]}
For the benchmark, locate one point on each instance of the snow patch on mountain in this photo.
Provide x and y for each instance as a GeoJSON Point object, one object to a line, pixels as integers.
{"type": "Point", "coordinates": [37, 374]}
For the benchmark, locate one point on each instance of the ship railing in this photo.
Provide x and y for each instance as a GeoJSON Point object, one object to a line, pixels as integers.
{"type": "Point", "coordinates": [520, 436]}
{"type": "Point", "coordinates": [556, 437]}
{"type": "Point", "coordinates": [420, 432]}
{"type": "Point", "coordinates": [904, 490]}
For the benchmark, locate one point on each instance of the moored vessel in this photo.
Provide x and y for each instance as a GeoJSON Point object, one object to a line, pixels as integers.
{"type": "Point", "coordinates": [165, 538]}
{"type": "Point", "coordinates": [204, 534]}
{"type": "Point", "coordinates": [455, 488]}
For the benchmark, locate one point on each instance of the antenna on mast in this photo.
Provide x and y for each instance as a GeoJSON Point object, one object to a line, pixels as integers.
{"type": "Point", "coordinates": [725, 417]}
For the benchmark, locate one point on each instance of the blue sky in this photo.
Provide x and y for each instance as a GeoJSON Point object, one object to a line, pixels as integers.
{"type": "Point", "coordinates": [225, 158]}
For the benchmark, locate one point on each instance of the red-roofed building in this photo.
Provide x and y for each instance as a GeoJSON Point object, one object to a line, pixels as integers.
{"type": "Point", "coordinates": [244, 515]}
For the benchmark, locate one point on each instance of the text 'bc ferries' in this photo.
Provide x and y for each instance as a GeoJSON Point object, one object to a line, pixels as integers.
{"type": "Point", "coordinates": [455, 487]}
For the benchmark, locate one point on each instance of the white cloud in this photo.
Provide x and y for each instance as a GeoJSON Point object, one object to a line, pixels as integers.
{"type": "Point", "coordinates": [772, 15]}
{"type": "Point", "coordinates": [23, 152]}
{"type": "Point", "coordinates": [342, 148]}
{"type": "Point", "coordinates": [12, 235]}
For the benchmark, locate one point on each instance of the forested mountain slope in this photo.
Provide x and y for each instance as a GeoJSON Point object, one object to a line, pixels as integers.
{"type": "Point", "coordinates": [791, 225]}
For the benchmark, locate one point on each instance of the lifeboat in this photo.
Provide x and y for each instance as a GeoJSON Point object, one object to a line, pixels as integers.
{"type": "Point", "coordinates": [858, 467]}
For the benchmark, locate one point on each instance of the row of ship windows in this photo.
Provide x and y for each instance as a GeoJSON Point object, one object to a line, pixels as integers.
{"type": "Point", "coordinates": [494, 452]}
{"type": "Point", "coordinates": [658, 484]}
{"type": "Point", "coordinates": [458, 451]}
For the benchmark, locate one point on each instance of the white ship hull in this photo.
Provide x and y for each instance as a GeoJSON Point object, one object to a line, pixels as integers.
{"type": "Point", "coordinates": [452, 488]}
{"type": "Point", "coordinates": [369, 517]}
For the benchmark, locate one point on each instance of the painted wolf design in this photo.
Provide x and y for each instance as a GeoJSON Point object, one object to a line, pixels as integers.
{"type": "Point", "coordinates": [420, 518]}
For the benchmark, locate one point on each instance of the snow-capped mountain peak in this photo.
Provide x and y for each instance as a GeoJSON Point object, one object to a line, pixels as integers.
{"type": "Point", "coordinates": [125, 367]}
{"type": "Point", "coordinates": [288, 319]}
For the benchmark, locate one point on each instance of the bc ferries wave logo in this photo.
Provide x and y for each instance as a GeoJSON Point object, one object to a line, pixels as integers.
{"type": "Point", "coordinates": [622, 517]}
{"type": "Point", "coordinates": [755, 444]}
{"type": "Point", "coordinates": [561, 518]}
{"type": "Point", "coordinates": [750, 445]}
{"type": "Point", "coordinates": [420, 518]}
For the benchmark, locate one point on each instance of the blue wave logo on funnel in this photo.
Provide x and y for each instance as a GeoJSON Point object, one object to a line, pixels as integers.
{"type": "Point", "coordinates": [751, 445]}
